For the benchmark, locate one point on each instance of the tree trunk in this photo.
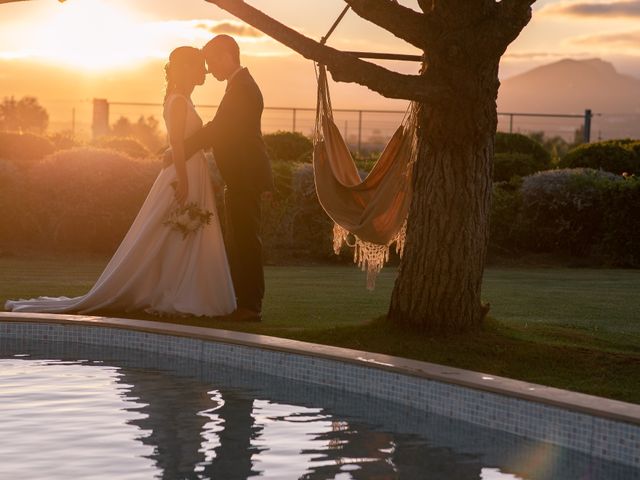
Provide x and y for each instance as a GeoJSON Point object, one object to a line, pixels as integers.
{"type": "Point", "coordinates": [440, 278]}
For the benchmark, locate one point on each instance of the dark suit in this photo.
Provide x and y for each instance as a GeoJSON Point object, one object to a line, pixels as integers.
{"type": "Point", "coordinates": [240, 153]}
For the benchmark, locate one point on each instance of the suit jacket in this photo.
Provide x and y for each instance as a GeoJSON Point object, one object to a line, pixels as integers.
{"type": "Point", "coordinates": [236, 138]}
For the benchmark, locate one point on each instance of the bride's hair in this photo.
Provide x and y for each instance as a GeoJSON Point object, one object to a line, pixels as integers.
{"type": "Point", "coordinates": [175, 70]}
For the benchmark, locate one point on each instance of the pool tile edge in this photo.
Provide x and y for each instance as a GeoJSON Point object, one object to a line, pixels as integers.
{"type": "Point", "coordinates": [572, 401]}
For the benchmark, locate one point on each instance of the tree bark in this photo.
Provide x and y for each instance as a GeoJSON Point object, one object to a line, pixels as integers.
{"type": "Point", "coordinates": [439, 282]}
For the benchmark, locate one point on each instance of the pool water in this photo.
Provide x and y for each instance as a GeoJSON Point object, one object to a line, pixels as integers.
{"type": "Point", "coordinates": [84, 412]}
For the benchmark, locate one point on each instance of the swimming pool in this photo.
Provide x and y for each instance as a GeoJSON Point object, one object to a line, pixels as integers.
{"type": "Point", "coordinates": [88, 400]}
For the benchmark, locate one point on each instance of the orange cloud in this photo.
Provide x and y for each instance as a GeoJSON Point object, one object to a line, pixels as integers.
{"type": "Point", "coordinates": [623, 8]}
{"type": "Point", "coordinates": [629, 40]}
{"type": "Point", "coordinates": [230, 27]}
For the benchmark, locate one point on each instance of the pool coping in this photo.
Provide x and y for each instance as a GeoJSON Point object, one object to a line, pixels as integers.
{"type": "Point", "coordinates": [572, 401]}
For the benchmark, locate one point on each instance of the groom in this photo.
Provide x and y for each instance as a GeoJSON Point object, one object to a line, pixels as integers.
{"type": "Point", "coordinates": [240, 153]}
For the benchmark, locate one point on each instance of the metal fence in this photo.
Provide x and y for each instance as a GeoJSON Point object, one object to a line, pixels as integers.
{"type": "Point", "coordinates": [363, 129]}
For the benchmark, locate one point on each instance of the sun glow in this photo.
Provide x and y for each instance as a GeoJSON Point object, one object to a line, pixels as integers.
{"type": "Point", "coordinates": [91, 35]}
{"type": "Point", "coordinates": [101, 35]}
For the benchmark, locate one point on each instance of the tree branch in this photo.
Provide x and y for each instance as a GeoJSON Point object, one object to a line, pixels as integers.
{"type": "Point", "coordinates": [513, 16]}
{"type": "Point", "coordinates": [343, 66]}
{"type": "Point", "coordinates": [425, 5]}
{"type": "Point", "coordinates": [403, 22]}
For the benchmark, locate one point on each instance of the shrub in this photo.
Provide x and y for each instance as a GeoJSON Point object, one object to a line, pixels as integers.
{"type": "Point", "coordinates": [86, 198]}
{"type": "Point", "coordinates": [11, 190]}
{"type": "Point", "coordinates": [289, 146]}
{"type": "Point", "coordinates": [312, 229]}
{"type": "Point", "coordinates": [620, 241]}
{"type": "Point", "coordinates": [63, 140]}
{"type": "Point", "coordinates": [365, 161]}
{"type": "Point", "coordinates": [563, 209]}
{"type": "Point", "coordinates": [519, 144]}
{"type": "Point", "coordinates": [295, 226]}
{"type": "Point", "coordinates": [616, 156]}
{"type": "Point", "coordinates": [505, 216]}
{"type": "Point", "coordinates": [24, 149]}
{"type": "Point", "coordinates": [580, 212]}
{"type": "Point", "coordinates": [277, 217]}
{"type": "Point", "coordinates": [127, 145]}
{"type": "Point", "coordinates": [509, 165]}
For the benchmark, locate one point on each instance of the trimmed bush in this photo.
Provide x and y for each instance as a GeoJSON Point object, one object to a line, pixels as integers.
{"type": "Point", "coordinates": [579, 212]}
{"type": "Point", "coordinates": [562, 209]}
{"type": "Point", "coordinates": [289, 146]}
{"type": "Point", "coordinates": [505, 221]}
{"type": "Point", "coordinates": [518, 156]}
{"type": "Point", "coordinates": [620, 240]}
{"type": "Point", "coordinates": [521, 144]}
{"type": "Point", "coordinates": [24, 149]}
{"type": "Point", "coordinates": [615, 156]}
{"type": "Point", "coordinates": [509, 165]}
{"type": "Point", "coordinates": [11, 191]}
{"type": "Point", "coordinates": [312, 228]}
{"type": "Point", "coordinates": [127, 145]}
{"type": "Point", "coordinates": [63, 141]}
{"type": "Point", "coordinates": [85, 198]}
{"type": "Point", "coordinates": [277, 216]}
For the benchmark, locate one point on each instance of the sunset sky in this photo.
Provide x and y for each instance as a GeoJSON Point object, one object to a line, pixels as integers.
{"type": "Point", "coordinates": [115, 48]}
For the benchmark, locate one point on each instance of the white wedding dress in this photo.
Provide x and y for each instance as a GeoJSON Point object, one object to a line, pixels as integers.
{"type": "Point", "coordinates": [155, 269]}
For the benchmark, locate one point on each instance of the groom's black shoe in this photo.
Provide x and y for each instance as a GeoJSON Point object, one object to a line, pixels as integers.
{"type": "Point", "coordinates": [245, 315]}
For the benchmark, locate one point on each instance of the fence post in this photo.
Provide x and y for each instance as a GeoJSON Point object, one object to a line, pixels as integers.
{"type": "Point", "coordinates": [359, 132]}
{"type": "Point", "coordinates": [294, 120]}
{"type": "Point", "coordinates": [587, 126]}
{"type": "Point", "coordinates": [100, 124]}
{"type": "Point", "coordinates": [511, 123]}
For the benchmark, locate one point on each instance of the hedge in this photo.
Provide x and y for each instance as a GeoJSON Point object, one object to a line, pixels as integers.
{"type": "Point", "coordinates": [24, 149]}
{"type": "Point", "coordinates": [518, 156]}
{"type": "Point", "coordinates": [84, 199]}
{"type": "Point", "coordinates": [79, 199]}
{"type": "Point", "coordinates": [518, 143]}
{"type": "Point", "coordinates": [127, 145]}
{"type": "Point", "coordinates": [579, 212]}
{"type": "Point", "coordinates": [615, 156]}
{"type": "Point", "coordinates": [289, 146]}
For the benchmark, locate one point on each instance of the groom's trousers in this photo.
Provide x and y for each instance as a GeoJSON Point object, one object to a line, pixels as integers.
{"type": "Point", "coordinates": [244, 247]}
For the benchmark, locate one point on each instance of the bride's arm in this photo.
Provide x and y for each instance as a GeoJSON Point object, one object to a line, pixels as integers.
{"type": "Point", "coordinates": [177, 119]}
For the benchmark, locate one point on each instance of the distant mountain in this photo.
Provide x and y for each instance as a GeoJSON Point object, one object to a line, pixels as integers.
{"type": "Point", "coordinates": [571, 86]}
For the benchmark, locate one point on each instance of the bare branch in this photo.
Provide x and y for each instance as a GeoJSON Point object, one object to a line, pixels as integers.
{"type": "Point", "coordinates": [401, 21]}
{"type": "Point", "coordinates": [343, 66]}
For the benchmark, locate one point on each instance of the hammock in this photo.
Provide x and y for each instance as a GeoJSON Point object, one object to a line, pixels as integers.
{"type": "Point", "coordinates": [374, 210]}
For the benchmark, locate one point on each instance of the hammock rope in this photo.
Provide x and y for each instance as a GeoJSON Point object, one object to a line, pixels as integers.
{"type": "Point", "coordinates": [372, 211]}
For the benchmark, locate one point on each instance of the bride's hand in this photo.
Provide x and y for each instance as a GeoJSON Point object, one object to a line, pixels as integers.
{"type": "Point", "coordinates": [181, 192]}
{"type": "Point", "coordinates": [167, 158]}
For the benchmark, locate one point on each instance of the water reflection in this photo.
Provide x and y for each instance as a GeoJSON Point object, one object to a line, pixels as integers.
{"type": "Point", "coordinates": [204, 422]}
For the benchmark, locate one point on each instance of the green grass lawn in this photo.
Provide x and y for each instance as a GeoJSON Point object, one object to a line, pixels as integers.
{"type": "Point", "coordinates": [571, 328]}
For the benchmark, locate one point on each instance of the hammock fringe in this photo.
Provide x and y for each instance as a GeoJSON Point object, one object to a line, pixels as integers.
{"type": "Point", "coordinates": [370, 257]}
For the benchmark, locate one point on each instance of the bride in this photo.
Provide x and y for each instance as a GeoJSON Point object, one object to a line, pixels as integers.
{"type": "Point", "coordinates": [172, 260]}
